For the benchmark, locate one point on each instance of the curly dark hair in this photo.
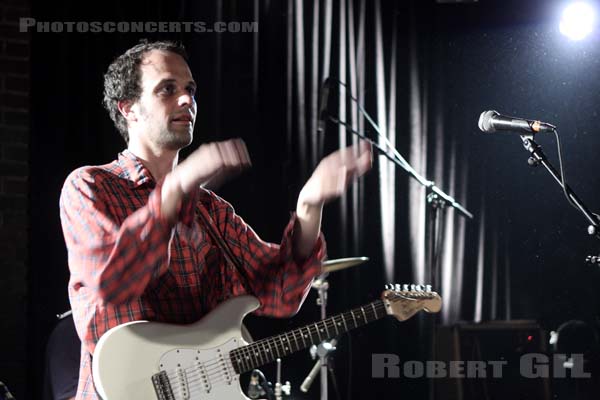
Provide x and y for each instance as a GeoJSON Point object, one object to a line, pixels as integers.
{"type": "Point", "coordinates": [122, 80]}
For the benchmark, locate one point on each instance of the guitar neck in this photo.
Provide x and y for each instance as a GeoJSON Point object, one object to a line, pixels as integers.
{"type": "Point", "coordinates": [268, 350]}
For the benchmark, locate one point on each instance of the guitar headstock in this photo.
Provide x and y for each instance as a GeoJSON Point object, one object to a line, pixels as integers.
{"type": "Point", "coordinates": [404, 301]}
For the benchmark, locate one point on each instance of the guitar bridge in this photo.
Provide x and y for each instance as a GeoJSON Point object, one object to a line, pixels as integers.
{"type": "Point", "coordinates": [162, 386]}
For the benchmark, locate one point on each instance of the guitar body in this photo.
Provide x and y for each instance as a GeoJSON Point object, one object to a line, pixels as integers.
{"type": "Point", "coordinates": [150, 360]}
{"type": "Point", "coordinates": [129, 355]}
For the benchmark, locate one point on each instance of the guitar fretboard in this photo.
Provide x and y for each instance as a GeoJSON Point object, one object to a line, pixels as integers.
{"type": "Point", "coordinates": [268, 350]}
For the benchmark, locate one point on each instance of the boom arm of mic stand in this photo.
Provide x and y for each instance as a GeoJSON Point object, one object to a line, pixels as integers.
{"type": "Point", "coordinates": [311, 376]}
{"type": "Point", "coordinates": [306, 384]}
{"type": "Point", "coordinates": [538, 154]}
{"type": "Point", "coordinates": [397, 159]}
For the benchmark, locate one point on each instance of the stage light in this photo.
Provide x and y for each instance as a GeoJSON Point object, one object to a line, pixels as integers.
{"type": "Point", "coordinates": [578, 20]}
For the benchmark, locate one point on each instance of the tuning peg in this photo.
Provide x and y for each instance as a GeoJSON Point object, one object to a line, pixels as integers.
{"type": "Point", "coordinates": [416, 288]}
{"type": "Point", "coordinates": [405, 288]}
{"type": "Point", "coordinates": [428, 288]}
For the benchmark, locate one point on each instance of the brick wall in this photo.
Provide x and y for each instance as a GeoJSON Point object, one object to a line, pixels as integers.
{"type": "Point", "coordinates": [14, 171]}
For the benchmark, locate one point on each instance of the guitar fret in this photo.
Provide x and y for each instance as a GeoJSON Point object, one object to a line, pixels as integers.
{"type": "Point", "coordinates": [317, 331]}
{"type": "Point", "coordinates": [296, 340]}
{"type": "Point", "coordinates": [318, 334]}
{"type": "Point", "coordinates": [273, 342]}
{"type": "Point", "coordinates": [364, 315]}
{"type": "Point", "coordinates": [269, 350]}
{"type": "Point", "coordinates": [310, 337]}
{"type": "Point", "coordinates": [253, 355]}
{"type": "Point", "coordinates": [235, 360]}
{"type": "Point", "coordinates": [277, 341]}
{"type": "Point", "coordinates": [374, 310]}
{"type": "Point", "coordinates": [246, 357]}
{"type": "Point", "coordinates": [353, 318]}
{"type": "Point", "coordinates": [344, 321]}
{"type": "Point", "coordinates": [243, 359]}
{"type": "Point", "coordinates": [284, 344]}
{"type": "Point", "coordinates": [302, 336]}
{"type": "Point", "coordinates": [326, 330]}
{"type": "Point", "coordinates": [250, 356]}
{"type": "Point", "coordinates": [258, 353]}
{"type": "Point", "coordinates": [265, 351]}
{"type": "Point", "coordinates": [290, 342]}
{"type": "Point", "coordinates": [273, 347]}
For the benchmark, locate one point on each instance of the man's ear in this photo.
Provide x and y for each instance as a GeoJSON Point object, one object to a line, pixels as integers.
{"type": "Point", "coordinates": [127, 110]}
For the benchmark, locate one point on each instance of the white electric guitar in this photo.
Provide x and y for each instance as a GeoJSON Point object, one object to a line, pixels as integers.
{"type": "Point", "coordinates": [144, 360]}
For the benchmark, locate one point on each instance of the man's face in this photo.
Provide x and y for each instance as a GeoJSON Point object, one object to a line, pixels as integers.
{"type": "Point", "coordinates": [166, 109]}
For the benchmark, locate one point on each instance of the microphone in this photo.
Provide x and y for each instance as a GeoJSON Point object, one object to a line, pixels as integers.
{"type": "Point", "coordinates": [323, 105]}
{"type": "Point", "coordinates": [492, 121]}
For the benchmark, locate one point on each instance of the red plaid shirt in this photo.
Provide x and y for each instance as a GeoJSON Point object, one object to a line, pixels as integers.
{"type": "Point", "coordinates": [128, 264]}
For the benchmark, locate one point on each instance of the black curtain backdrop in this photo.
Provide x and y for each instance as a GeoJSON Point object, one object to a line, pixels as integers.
{"type": "Point", "coordinates": [441, 65]}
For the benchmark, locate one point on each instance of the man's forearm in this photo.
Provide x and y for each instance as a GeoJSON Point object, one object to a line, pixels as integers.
{"type": "Point", "coordinates": [307, 231]}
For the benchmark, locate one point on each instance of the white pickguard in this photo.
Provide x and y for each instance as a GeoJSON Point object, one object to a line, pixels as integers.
{"type": "Point", "coordinates": [127, 356]}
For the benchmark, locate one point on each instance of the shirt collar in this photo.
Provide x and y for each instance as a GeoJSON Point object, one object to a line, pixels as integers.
{"type": "Point", "coordinates": [134, 170]}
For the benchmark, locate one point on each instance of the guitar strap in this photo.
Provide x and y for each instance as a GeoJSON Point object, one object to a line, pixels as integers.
{"type": "Point", "coordinates": [217, 238]}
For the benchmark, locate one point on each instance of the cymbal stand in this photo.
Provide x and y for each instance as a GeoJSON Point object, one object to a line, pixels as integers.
{"type": "Point", "coordinates": [280, 389]}
{"type": "Point", "coordinates": [325, 347]}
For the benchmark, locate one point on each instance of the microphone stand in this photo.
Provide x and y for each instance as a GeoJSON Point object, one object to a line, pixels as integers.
{"type": "Point", "coordinates": [437, 202]}
{"type": "Point", "coordinates": [538, 157]}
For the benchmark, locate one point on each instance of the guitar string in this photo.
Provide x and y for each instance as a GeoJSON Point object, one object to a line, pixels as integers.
{"type": "Point", "coordinates": [217, 376]}
{"type": "Point", "coordinates": [247, 351]}
{"type": "Point", "coordinates": [195, 377]}
{"type": "Point", "coordinates": [195, 385]}
{"type": "Point", "coordinates": [268, 354]}
{"type": "Point", "coordinates": [215, 373]}
{"type": "Point", "coordinates": [278, 341]}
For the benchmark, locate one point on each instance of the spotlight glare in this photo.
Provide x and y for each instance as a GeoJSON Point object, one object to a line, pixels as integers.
{"type": "Point", "coordinates": [578, 20]}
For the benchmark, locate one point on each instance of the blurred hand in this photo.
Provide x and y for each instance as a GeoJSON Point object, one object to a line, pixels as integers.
{"type": "Point", "coordinates": [210, 162]}
{"type": "Point", "coordinates": [213, 162]}
{"type": "Point", "coordinates": [334, 173]}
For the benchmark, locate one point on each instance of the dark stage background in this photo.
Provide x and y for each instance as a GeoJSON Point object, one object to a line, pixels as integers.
{"type": "Point", "coordinates": [441, 66]}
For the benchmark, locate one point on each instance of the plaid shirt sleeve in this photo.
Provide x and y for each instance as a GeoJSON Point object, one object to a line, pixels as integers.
{"type": "Point", "coordinates": [277, 279]}
{"type": "Point", "coordinates": [114, 259]}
